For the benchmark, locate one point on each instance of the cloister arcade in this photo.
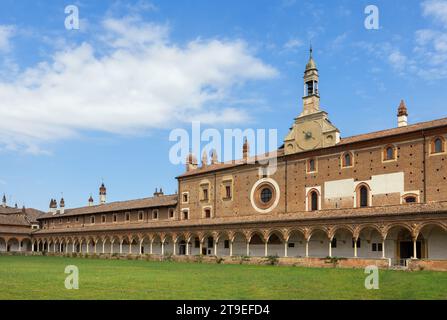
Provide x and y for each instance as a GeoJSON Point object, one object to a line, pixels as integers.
{"type": "Point", "coordinates": [396, 241]}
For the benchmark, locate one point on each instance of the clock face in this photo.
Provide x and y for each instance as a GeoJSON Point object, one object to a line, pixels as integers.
{"type": "Point", "coordinates": [308, 135]}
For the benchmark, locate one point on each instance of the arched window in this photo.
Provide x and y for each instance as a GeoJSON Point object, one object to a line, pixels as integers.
{"type": "Point", "coordinates": [312, 167]}
{"type": "Point", "coordinates": [347, 159]}
{"type": "Point", "coordinates": [410, 199]}
{"type": "Point", "coordinates": [363, 193]}
{"type": "Point", "coordinates": [389, 153]}
{"type": "Point", "coordinates": [438, 145]}
{"type": "Point", "coordinates": [313, 201]}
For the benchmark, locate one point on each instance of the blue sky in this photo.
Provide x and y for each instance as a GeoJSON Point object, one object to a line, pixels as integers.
{"type": "Point", "coordinates": [79, 106]}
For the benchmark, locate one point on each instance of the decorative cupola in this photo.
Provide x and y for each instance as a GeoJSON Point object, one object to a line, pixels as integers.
{"type": "Point", "coordinates": [90, 201]}
{"type": "Point", "coordinates": [102, 194]}
{"type": "Point", "coordinates": [62, 206]}
{"type": "Point", "coordinates": [402, 115]}
{"type": "Point", "coordinates": [311, 98]}
{"type": "Point", "coordinates": [312, 128]}
{"type": "Point", "coordinates": [16, 206]}
{"type": "Point", "coordinates": [191, 162]}
{"type": "Point", "coordinates": [204, 159]}
{"type": "Point", "coordinates": [245, 149]}
{"type": "Point", "coordinates": [53, 206]}
{"type": "Point", "coordinates": [4, 201]}
{"type": "Point", "coordinates": [214, 157]}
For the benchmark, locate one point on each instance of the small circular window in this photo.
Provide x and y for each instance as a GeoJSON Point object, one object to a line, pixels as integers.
{"type": "Point", "coordinates": [266, 195]}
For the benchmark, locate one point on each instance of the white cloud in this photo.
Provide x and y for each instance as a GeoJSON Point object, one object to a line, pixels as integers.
{"type": "Point", "coordinates": [436, 9]}
{"type": "Point", "coordinates": [143, 82]}
{"type": "Point", "coordinates": [293, 44]}
{"type": "Point", "coordinates": [398, 60]}
{"type": "Point", "coordinates": [6, 33]}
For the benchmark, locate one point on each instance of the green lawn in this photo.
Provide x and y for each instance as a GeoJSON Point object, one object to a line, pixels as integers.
{"type": "Point", "coordinates": [43, 278]}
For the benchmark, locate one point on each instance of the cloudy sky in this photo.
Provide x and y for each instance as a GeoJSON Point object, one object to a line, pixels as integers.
{"type": "Point", "coordinates": [81, 106]}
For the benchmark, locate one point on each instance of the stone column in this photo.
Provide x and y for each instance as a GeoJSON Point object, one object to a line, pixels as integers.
{"type": "Point", "coordinates": [248, 248]}
{"type": "Point", "coordinates": [111, 246]}
{"type": "Point", "coordinates": [307, 248]}
{"type": "Point", "coordinates": [174, 245]}
{"type": "Point", "coordinates": [121, 246]}
{"type": "Point", "coordinates": [163, 248]}
{"type": "Point", "coordinates": [20, 246]}
{"type": "Point", "coordinates": [141, 246]}
{"type": "Point", "coordinates": [87, 246]}
{"type": "Point", "coordinates": [383, 248]}
{"type": "Point", "coordinates": [187, 247]}
{"type": "Point", "coordinates": [130, 247]}
{"type": "Point", "coordinates": [286, 244]}
{"type": "Point", "coordinates": [32, 246]}
{"type": "Point", "coordinates": [200, 247]}
{"type": "Point", "coordinates": [330, 248]}
{"type": "Point", "coordinates": [103, 246]}
{"type": "Point", "coordinates": [73, 247]}
{"type": "Point", "coordinates": [355, 248]}
{"type": "Point", "coordinates": [231, 248]}
{"type": "Point", "coordinates": [415, 253]}
{"type": "Point", "coordinates": [266, 248]}
{"type": "Point", "coordinates": [215, 247]}
{"type": "Point", "coordinates": [95, 246]}
{"type": "Point", "coordinates": [150, 247]}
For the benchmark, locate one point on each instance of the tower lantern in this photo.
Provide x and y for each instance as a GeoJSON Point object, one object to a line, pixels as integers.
{"type": "Point", "coordinates": [102, 194]}
{"type": "Point", "coordinates": [311, 98]}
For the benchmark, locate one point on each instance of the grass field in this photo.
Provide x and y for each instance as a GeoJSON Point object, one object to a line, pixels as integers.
{"type": "Point", "coordinates": [43, 278]}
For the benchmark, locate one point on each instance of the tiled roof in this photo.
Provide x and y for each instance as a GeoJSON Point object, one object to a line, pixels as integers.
{"type": "Point", "coordinates": [17, 216]}
{"type": "Point", "coordinates": [343, 141]}
{"type": "Point", "coordinates": [395, 131]}
{"type": "Point", "coordinates": [13, 219]}
{"type": "Point", "coordinates": [302, 216]}
{"type": "Point", "coordinates": [14, 230]}
{"type": "Point", "coordinates": [160, 201]}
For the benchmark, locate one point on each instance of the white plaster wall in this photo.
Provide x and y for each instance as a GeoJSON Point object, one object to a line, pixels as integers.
{"type": "Point", "coordinates": [379, 184]}
{"type": "Point", "coordinates": [387, 183]}
{"type": "Point", "coordinates": [437, 244]}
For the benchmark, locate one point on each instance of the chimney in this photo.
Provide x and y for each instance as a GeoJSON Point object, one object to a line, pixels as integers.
{"type": "Point", "coordinates": [102, 194]}
{"type": "Point", "coordinates": [158, 193]}
{"type": "Point", "coordinates": [191, 162]}
{"type": "Point", "coordinates": [214, 159]}
{"type": "Point", "coordinates": [53, 206]}
{"type": "Point", "coordinates": [90, 201]}
{"type": "Point", "coordinates": [204, 159]}
{"type": "Point", "coordinates": [246, 150]}
{"type": "Point", "coordinates": [402, 115]}
{"type": "Point", "coordinates": [62, 206]}
{"type": "Point", "coordinates": [4, 201]}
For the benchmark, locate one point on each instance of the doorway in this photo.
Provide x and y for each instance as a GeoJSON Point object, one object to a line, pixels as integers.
{"type": "Point", "coordinates": [406, 249]}
{"type": "Point", "coordinates": [182, 248]}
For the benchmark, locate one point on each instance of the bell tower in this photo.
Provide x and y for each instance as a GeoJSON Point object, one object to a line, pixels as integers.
{"type": "Point", "coordinates": [312, 128]}
{"type": "Point", "coordinates": [311, 98]}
